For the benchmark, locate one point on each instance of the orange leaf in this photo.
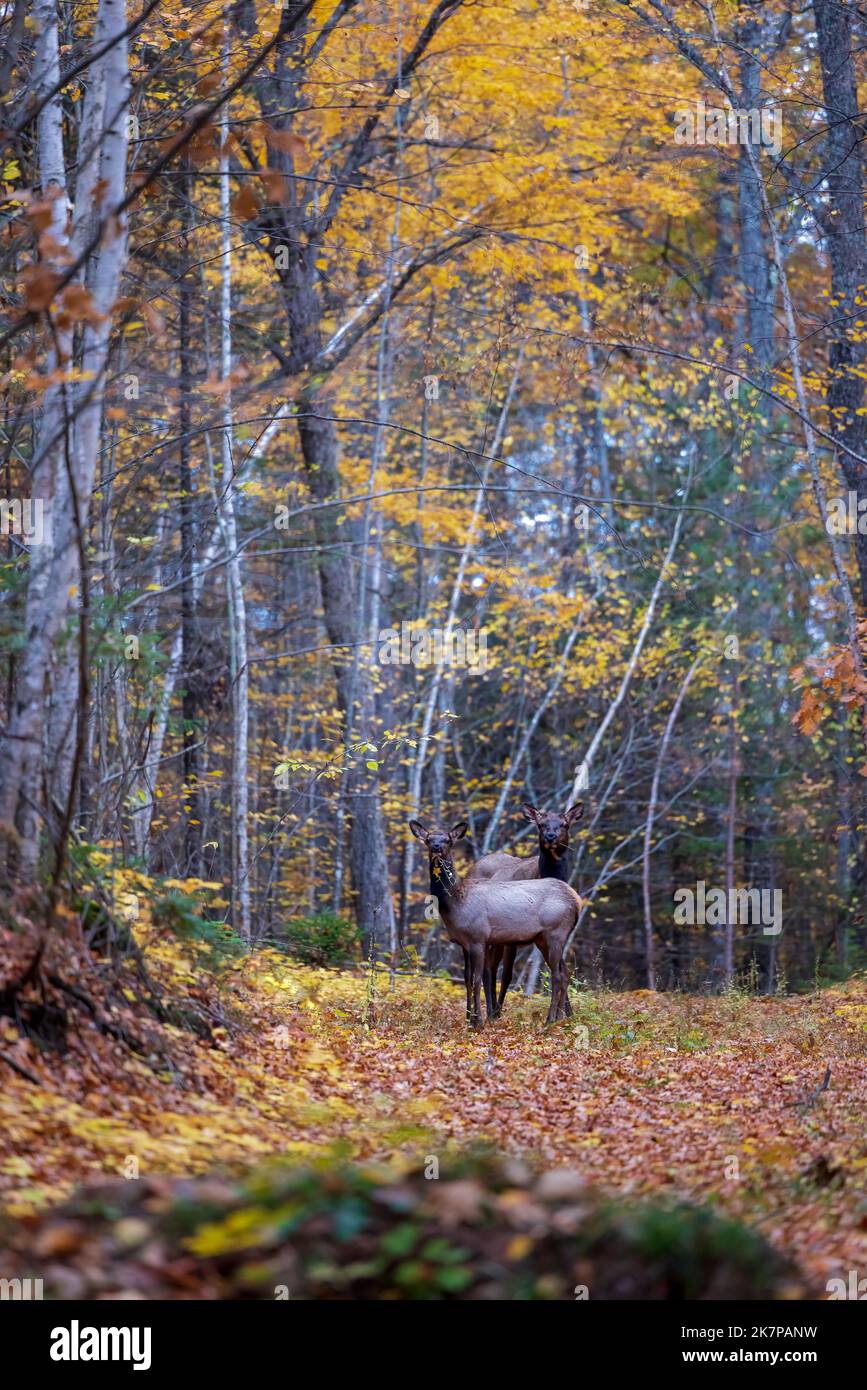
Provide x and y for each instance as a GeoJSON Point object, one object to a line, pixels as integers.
{"type": "Point", "coordinates": [275, 186]}
{"type": "Point", "coordinates": [245, 204]}
{"type": "Point", "coordinates": [78, 304]}
{"type": "Point", "coordinates": [39, 286]}
{"type": "Point", "coordinates": [285, 141]}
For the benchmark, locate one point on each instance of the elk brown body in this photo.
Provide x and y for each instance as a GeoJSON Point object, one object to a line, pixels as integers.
{"type": "Point", "coordinates": [484, 916]}
{"type": "Point", "coordinates": [550, 862]}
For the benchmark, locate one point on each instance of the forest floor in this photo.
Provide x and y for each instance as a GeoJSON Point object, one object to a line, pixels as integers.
{"type": "Point", "coordinates": [716, 1100]}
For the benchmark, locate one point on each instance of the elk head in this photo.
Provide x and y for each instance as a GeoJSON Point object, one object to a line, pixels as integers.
{"type": "Point", "coordinates": [438, 843]}
{"type": "Point", "coordinates": [444, 882]}
{"type": "Point", "coordinates": [553, 827]}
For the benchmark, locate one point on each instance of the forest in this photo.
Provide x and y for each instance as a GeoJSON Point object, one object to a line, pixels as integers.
{"type": "Point", "coordinates": [312, 721]}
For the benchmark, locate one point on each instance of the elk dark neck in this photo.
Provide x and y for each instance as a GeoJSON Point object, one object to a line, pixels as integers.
{"type": "Point", "coordinates": [549, 867]}
{"type": "Point", "coordinates": [445, 885]}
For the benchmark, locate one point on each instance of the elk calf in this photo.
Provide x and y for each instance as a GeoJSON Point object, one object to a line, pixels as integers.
{"type": "Point", "coordinates": [482, 916]}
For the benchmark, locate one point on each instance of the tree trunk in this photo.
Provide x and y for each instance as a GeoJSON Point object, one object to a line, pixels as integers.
{"type": "Point", "coordinates": [191, 657]}
{"type": "Point", "coordinates": [66, 456]}
{"type": "Point", "coordinates": [367, 851]}
{"type": "Point", "coordinates": [728, 954]}
{"type": "Point", "coordinates": [239, 671]}
{"type": "Point", "coordinates": [649, 962]}
{"type": "Point", "coordinates": [843, 228]}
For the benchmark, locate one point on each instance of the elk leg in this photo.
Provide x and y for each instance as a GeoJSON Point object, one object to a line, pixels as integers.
{"type": "Point", "coordinates": [545, 953]}
{"type": "Point", "coordinates": [490, 982]}
{"type": "Point", "coordinates": [554, 956]}
{"type": "Point", "coordinates": [468, 981]}
{"type": "Point", "coordinates": [567, 1007]}
{"type": "Point", "coordinates": [477, 970]}
{"type": "Point", "coordinates": [495, 955]}
{"type": "Point", "coordinates": [509, 953]}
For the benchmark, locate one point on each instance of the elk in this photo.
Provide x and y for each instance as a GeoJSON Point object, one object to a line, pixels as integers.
{"type": "Point", "coordinates": [550, 862]}
{"type": "Point", "coordinates": [482, 916]}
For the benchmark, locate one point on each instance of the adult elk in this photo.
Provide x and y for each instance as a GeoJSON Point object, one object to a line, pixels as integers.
{"type": "Point", "coordinates": [484, 915]}
{"type": "Point", "coordinates": [550, 862]}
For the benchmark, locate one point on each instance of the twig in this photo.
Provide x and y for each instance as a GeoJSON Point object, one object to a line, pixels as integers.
{"type": "Point", "coordinates": [22, 1071]}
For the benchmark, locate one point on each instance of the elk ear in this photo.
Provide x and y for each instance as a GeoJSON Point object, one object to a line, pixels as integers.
{"type": "Point", "coordinates": [574, 813]}
{"type": "Point", "coordinates": [418, 830]}
{"type": "Point", "coordinates": [530, 812]}
{"type": "Point", "coordinates": [458, 831]}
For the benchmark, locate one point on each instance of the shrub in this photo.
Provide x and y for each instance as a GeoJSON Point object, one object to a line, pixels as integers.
{"type": "Point", "coordinates": [213, 941]}
{"type": "Point", "coordinates": [323, 939]}
{"type": "Point", "coordinates": [490, 1228]}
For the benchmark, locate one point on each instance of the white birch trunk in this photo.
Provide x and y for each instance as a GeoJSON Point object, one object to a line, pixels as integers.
{"type": "Point", "coordinates": [651, 813]}
{"type": "Point", "coordinates": [582, 772]}
{"type": "Point", "coordinates": [66, 456]}
{"type": "Point", "coordinates": [417, 770]}
{"type": "Point", "coordinates": [238, 669]}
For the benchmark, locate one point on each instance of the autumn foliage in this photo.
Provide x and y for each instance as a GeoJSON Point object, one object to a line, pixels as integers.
{"type": "Point", "coordinates": [328, 320]}
{"type": "Point", "coordinates": [188, 1057]}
